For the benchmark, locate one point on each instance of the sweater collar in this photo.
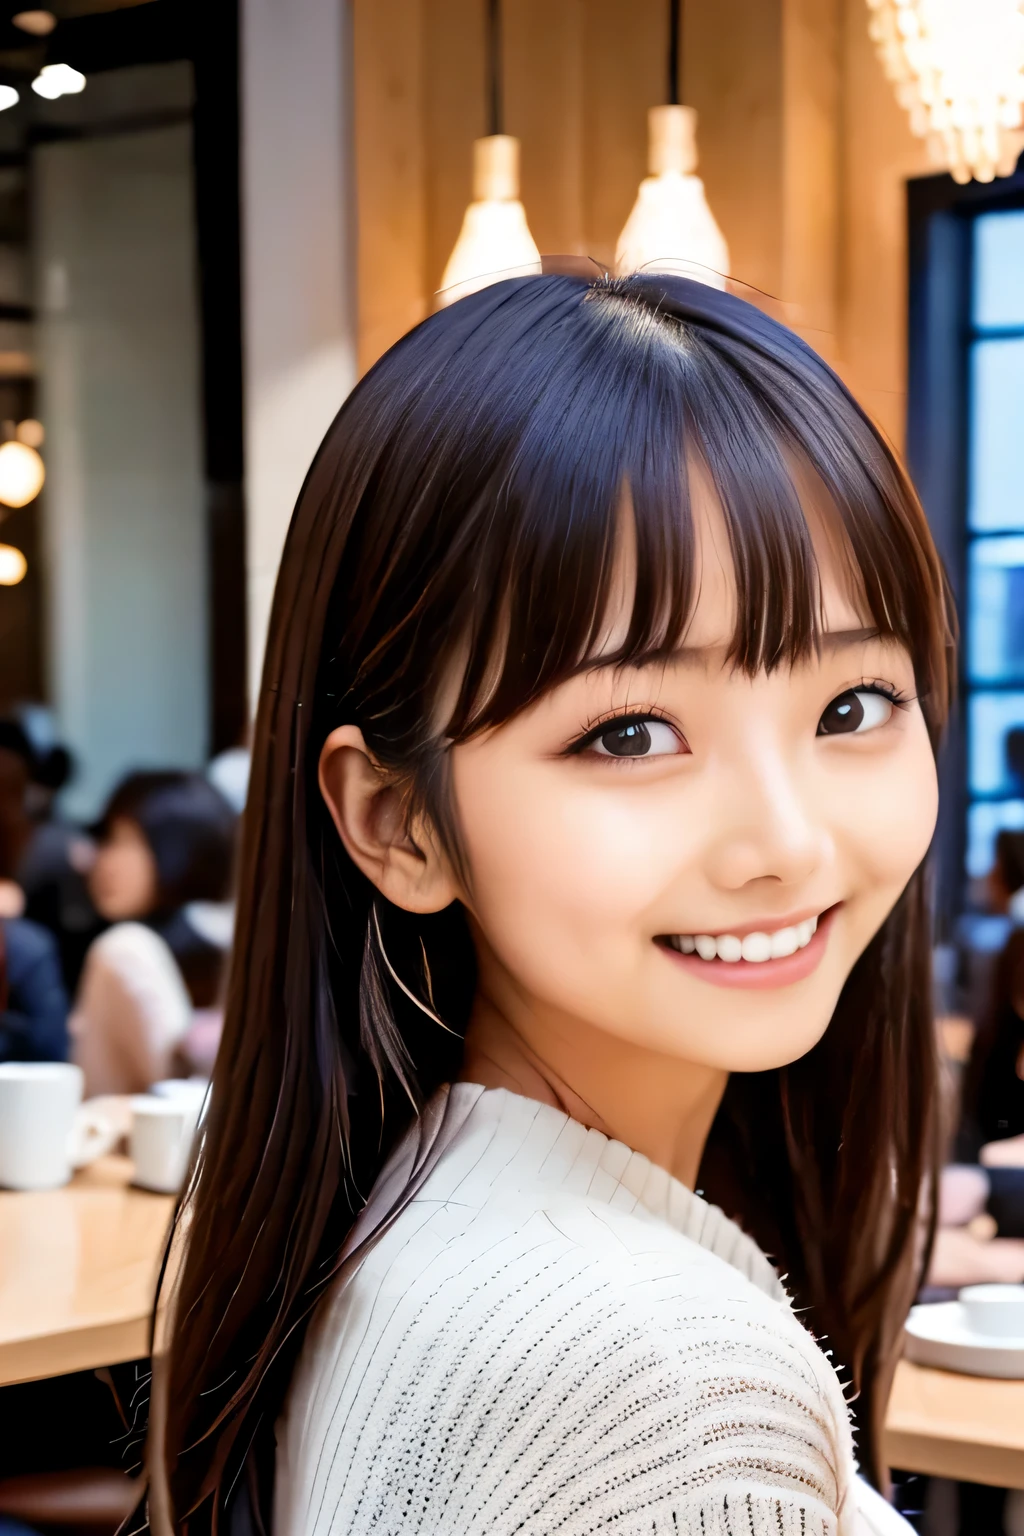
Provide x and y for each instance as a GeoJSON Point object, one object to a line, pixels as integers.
{"type": "Point", "coordinates": [505, 1135]}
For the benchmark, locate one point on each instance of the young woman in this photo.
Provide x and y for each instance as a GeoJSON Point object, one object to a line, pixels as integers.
{"type": "Point", "coordinates": [161, 878]}
{"type": "Point", "coordinates": [581, 886]}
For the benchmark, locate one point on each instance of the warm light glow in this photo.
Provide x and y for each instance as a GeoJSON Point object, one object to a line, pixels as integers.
{"type": "Point", "coordinates": [39, 23]}
{"type": "Point", "coordinates": [55, 80]}
{"type": "Point", "coordinates": [13, 565]}
{"type": "Point", "coordinates": [31, 432]}
{"type": "Point", "coordinates": [958, 69]}
{"type": "Point", "coordinates": [8, 97]}
{"type": "Point", "coordinates": [671, 226]}
{"type": "Point", "coordinates": [495, 239]}
{"type": "Point", "coordinates": [21, 474]}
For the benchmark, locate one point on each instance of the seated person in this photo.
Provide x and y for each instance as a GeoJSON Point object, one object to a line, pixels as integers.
{"type": "Point", "coordinates": [52, 854]}
{"type": "Point", "coordinates": [161, 877]}
{"type": "Point", "coordinates": [33, 1003]}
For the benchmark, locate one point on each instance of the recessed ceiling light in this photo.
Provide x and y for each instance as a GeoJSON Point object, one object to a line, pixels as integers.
{"type": "Point", "coordinates": [39, 23]}
{"type": "Point", "coordinates": [8, 97]}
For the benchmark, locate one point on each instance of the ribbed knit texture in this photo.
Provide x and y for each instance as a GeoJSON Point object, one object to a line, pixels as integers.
{"type": "Point", "coordinates": [546, 1334]}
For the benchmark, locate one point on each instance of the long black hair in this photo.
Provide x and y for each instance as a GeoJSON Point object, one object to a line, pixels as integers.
{"type": "Point", "coordinates": [459, 523]}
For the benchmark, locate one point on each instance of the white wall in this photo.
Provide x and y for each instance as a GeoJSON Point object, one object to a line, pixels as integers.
{"type": "Point", "coordinates": [298, 263]}
{"type": "Point", "coordinates": [114, 257]}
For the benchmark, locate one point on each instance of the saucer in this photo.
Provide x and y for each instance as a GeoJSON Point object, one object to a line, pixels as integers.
{"type": "Point", "coordinates": [938, 1335]}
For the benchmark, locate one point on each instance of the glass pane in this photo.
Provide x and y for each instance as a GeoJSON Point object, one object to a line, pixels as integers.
{"type": "Point", "coordinates": [999, 269]}
{"type": "Point", "coordinates": [996, 496]}
{"type": "Point", "coordinates": [983, 822]}
{"type": "Point", "coordinates": [995, 619]}
{"type": "Point", "coordinates": [996, 744]}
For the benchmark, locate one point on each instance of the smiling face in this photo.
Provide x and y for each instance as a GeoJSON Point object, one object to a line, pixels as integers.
{"type": "Point", "coordinates": [687, 861]}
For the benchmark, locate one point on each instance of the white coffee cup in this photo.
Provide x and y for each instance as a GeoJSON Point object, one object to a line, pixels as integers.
{"type": "Point", "coordinates": [45, 1130]}
{"type": "Point", "coordinates": [161, 1140]}
{"type": "Point", "coordinates": [994, 1310]}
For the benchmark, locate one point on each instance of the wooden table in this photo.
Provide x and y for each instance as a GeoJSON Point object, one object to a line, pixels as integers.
{"type": "Point", "coordinates": [970, 1428]}
{"type": "Point", "coordinates": [78, 1268]}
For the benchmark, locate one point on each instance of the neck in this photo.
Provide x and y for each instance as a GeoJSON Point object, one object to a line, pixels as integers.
{"type": "Point", "coordinates": [655, 1104]}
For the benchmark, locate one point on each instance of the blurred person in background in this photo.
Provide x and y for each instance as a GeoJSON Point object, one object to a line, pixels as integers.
{"type": "Point", "coordinates": [146, 1006]}
{"type": "Point", "coordinates": [993, 1105]}
{"type": "Point", "coordinates": [33, 1002]}
{"type": "Point", "coordinates": [45, 856]}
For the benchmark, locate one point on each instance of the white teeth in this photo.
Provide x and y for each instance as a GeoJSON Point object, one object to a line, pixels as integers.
{"type": "Point", "coordinates": [757, 947]}
{"type": "Point", "coordinates": [753, 947]}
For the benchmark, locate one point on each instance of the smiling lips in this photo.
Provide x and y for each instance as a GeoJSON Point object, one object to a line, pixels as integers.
{"type": "Point", "coordinates": [754, 947]}
{"type": "Point", "coordinates": [757, 958]}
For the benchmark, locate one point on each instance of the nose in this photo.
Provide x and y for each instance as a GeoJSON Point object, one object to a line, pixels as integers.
{"type": "Point", "coordinates": [766, 825]}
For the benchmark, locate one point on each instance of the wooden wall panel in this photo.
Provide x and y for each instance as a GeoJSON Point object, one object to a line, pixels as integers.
{"type": "Point", "coordinates": [624, 73]}
{"type": "Point", "coordinates": [455, 115]}
{"type": "Point", "coordinates": [803, 151]}
{"type": "Point", "coordinates": [390, 172]}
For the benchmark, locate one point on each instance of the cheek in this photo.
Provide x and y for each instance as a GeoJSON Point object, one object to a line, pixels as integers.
{"type": "Point", "coordinates": [559, 859]}
{"type": "Point", "coordinates": [890, 816]}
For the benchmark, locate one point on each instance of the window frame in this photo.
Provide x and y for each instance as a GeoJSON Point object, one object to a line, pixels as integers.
{"type": "Point", "coordinates": [941, 334]}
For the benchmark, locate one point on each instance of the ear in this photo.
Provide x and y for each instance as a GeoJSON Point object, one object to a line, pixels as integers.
{"type": "Point", "coordinates": [406, 865]}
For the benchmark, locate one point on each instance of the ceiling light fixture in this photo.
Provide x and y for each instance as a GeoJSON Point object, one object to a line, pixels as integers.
{"type": "Point", "coordinates": [55, 80]}
{"type": "Point", "coordinates": [958, 70]}
{"type": "Point", "coordinates": [671, 227]}
{"type": "Point", "coordinates": [38, 23]}
{"type": "Point", "coordinates": [495, 239]}
{"type": "Point", "coordinates": [8, 97]}
{"type": "Point", "coordinates": [13, 565]}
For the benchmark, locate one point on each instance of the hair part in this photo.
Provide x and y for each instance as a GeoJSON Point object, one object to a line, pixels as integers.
{"type": "Point", "coordinates": [461, 521]}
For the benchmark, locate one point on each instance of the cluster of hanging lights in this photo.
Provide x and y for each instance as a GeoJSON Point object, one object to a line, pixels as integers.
{"type": "Point", "coordinates": [670, 228]}
{"type": "Point", "coordinates": [958, 69]}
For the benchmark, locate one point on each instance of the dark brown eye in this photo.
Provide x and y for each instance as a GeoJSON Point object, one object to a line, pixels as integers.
{"type": "Point", "coordinates": [856, 711]}
{"type": "Point", "coordinates": [636, 738]}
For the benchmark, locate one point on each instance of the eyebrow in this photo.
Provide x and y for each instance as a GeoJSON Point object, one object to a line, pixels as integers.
{"type": "Point", "coordinates": [828, 639]}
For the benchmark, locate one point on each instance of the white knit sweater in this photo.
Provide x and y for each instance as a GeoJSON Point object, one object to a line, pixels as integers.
{"type": "Point", "coordinates": [546, 1333]}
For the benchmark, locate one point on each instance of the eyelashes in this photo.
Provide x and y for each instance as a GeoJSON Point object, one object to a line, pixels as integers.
{"type": "Point", "coordinates": [632, 726]}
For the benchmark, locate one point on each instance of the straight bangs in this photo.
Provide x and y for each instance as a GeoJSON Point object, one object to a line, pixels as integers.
{"type": "Point", "coordinates": [606, 415]}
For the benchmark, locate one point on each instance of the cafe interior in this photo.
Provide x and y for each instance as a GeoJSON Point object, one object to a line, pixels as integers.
{"type": "Point", "coordinates": [214, 218]}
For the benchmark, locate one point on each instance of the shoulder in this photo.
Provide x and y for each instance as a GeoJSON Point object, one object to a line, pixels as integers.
{"type": "Point", "coordinates": [131, 959]}
{"type": "Point", "coordinates": [561, 1360]}
{"type": "Point", "coordinates": [26, 945]}
{"type": "Point", "coordinates": [128, 946]}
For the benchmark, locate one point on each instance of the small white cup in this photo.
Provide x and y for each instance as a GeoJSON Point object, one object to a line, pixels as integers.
{"type": "Point", "coordinates": [994, 1310]}
{"type": "Point", "coordinates": [161, 1139]}
{"type": "Point", "coordinates": [44, 1133]}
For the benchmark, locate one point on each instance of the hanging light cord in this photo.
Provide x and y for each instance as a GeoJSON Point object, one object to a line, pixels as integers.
{"type": "Point", "coordinates": [495, 111]}
{"type": "Point", "coordinates": [675, 39]}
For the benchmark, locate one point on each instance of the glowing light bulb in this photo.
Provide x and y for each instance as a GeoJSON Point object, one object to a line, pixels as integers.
{"type": "Point", "coordinates": [55, 80]}
{"type": "Point", "coordinates": [31, 432]}
{"type": "Point", "coordinates": [38, 23]}
{"type": "Point", "coordinates": [958, 70]}
{"type": "Point", "coordinates": [671, 226]}
{"type": "Point", "coordinates": [21, 474]}
{"type": "Point", "coordinates": [495, 239]}
{"type": "Point", "coordinates": [8, 97]}
{"type": "Point", "coordinates": [13, 565]}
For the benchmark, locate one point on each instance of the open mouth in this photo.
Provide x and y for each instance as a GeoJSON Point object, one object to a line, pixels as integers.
{"type": "Point", "coordinates": [755, 957]}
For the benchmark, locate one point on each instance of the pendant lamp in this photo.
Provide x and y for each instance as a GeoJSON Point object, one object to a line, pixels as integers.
{"type": "Point", "coordinates": [495, 239]}
{"type": "Point", "coordinates": [671, 227]}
